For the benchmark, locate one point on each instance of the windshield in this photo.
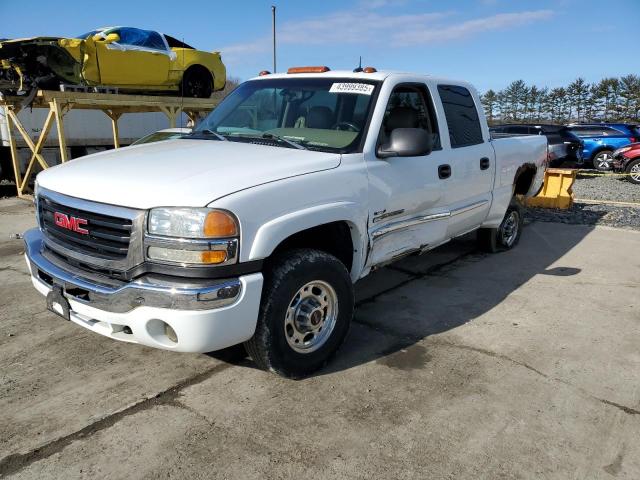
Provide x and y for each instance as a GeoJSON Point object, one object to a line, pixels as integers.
{"type": "Point", "coordinates": [326, 114]}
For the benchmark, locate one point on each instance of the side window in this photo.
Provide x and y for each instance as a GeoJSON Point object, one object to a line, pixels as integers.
{"type": "Point", "coordinates": [462, 116]}
{"type": "Point", "coordinates": [140, 38]}
{"type": "Point", "coordinates": [410, 106]}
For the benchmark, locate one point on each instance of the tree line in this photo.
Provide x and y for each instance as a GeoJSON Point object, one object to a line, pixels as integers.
{"type": "Point", "coordinates": [609, 100]}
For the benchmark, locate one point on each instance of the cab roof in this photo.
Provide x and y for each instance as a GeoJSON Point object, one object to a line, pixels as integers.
{"type": "Point", "coordinates": [379, 75]}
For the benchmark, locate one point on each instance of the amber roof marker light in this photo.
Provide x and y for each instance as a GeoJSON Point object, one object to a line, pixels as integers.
{"type": "Point", "coordinates": [369, 70]}
{"type": "Point", "coordinates": [264, 72]}
{"type": "Point", "coordinates": [315, 69]}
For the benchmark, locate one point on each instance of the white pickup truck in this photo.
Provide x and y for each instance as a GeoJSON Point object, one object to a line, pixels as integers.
{"type": "Point", "coordinates": [254, 227]}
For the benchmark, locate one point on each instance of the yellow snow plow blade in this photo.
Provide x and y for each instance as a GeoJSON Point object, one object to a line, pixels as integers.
{"type": "Point", "coordinates": [556, 191]}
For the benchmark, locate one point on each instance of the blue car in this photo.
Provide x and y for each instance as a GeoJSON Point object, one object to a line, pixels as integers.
{"type": "Point", "coordinates": [601, 139]}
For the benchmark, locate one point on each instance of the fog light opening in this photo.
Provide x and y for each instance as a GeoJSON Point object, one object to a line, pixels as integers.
{"type": "Point", "coordinates": [126, 329]}
{"type": "Point", "coordinates": [170, 333]}
{"type": "Point", "coordinates": [162, 333]}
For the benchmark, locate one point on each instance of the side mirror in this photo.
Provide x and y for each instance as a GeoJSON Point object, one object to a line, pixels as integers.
{"type": "Point", "coordinates": [406, 142]}
{"type": "Point", "coordinates": [111, 38]}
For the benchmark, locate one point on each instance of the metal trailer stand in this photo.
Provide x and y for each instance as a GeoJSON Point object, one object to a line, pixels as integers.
{"type": "Point", "coordinates": [113, 105]}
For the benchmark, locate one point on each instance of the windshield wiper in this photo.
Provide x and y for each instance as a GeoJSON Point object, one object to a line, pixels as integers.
{"type": "Point", "coordinates": [207, 131]}
{"type": "Point", "coordinates": [285, 140]}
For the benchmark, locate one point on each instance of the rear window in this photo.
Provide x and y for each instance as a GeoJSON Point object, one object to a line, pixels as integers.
{"type": "Point", "coordinates": [462, 116]}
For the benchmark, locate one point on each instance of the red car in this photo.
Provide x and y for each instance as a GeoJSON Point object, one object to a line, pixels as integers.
{"type": "Point", "coordinates": [627, 160]}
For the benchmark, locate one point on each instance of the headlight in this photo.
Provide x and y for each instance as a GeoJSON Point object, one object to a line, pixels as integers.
{"type": "Point", "coordinates": [192, 223]}
{"type": "Point", "coordinates": [194, 236]}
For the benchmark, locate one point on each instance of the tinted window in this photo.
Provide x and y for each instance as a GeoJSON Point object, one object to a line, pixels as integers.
{"type": "Point", "coordinates": [140, 38]}
{"type": "Point", "coordinates": [596, 132]}
{"type": "Point", "coordinates": [462, 116]}
{"type": "Point", "coordinates": [410, 106]}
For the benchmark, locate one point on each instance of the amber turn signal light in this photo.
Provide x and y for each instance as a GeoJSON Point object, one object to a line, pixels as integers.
{"type": "Point", "coordinates": [219, 224]}
{"type": "Point", "coordinates": [214, 256]}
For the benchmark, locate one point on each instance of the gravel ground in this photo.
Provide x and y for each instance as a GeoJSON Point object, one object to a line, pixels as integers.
{"type": "Point", "coordinates": [611, 188]}
{"type": "Point", "coordinates": [601, 188]}
{"type": "Point", "coordinates": [588, 214]}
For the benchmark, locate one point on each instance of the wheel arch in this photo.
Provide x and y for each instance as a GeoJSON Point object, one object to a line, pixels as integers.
{"type": "Point", "coordinates": [337, 229]}
{"type": "Point", "coordinates": [600, 148]}
{"type": "Point", "coordinates": [524, 179]}
{"type": "Point", "coordinates": [198, 67]}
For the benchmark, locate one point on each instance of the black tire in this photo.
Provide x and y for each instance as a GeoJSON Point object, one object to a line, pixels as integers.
{"type": "Point", "coordinates": [285, 277]}
{"type": "Point", "coordinates": [197, 83]}
{"type": "Point", "coordinates": [633, 169]}
{"type": "Point", "coordinates": [507, 235]}
{"type": "Point", "coordinates": [602, 160]}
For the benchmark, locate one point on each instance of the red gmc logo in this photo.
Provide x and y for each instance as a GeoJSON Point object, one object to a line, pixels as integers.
{"type": "Point", "coordinates": [70, 223]}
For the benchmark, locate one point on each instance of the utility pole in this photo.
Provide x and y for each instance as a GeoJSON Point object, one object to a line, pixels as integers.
{"type": "Point", "coordinates": [273, 27]}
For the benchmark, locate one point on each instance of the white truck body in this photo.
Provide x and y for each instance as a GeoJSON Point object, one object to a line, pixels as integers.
{"type": "Point", "coordinates": [391, 206]}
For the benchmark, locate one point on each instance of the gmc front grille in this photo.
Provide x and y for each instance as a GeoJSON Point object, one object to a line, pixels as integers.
{"type": "Point", "coordinates": [108, 237]}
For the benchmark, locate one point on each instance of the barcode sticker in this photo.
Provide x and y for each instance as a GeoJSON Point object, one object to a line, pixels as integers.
{"type": "Point", "coordinates": [360, 88]}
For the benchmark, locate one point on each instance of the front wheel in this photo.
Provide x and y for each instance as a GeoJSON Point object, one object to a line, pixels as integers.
{"type": "Point", "coordinates": [602, 161]}
{"type": "Point", "coordinates": [305, 313]}
{"type": "Point", "coordinates": [633, 169]}
{"type": "Point", "coordinates": [507, 235]}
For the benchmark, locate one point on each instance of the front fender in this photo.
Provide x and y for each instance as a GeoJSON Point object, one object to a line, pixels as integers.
{"type": "Point", "coordinates": [275, 231]}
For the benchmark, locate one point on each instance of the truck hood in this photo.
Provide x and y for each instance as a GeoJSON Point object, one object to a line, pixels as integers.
{"type": "Point", "coordinates": [183, 172]}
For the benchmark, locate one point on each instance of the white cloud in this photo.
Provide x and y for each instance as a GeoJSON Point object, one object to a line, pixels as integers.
{"type": "Point", "coordinates": [364, 26]}
{"type": "Point", "coordinates": [469, 27]}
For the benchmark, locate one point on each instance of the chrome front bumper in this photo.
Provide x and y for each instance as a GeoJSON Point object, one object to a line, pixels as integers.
{"type": "Point", "coordinates": [149, 291]}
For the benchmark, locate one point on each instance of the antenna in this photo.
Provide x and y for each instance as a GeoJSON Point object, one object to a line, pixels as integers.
{"type": "Point", "coordinates": [359, 67]}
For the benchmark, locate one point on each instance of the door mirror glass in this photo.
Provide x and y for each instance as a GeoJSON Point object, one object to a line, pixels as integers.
{"type": "Point", "coordinates": [111, 38]}
{"type": "Point", "coordinates": [406, 142]}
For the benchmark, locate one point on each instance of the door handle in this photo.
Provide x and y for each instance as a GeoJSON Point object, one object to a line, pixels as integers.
{"type": "Point", "coordinates": [444, 171]}
{"type": "Point", "coordinates": [484, 163]}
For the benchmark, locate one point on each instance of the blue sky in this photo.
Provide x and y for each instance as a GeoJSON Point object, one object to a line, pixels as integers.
{"type": "Point", "coordinates": [488, 42]}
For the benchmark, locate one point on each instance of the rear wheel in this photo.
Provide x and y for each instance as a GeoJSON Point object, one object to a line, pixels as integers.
{"type": "Point", "coordinates": [633, 169]}
{"type": "Point", "coordinates": [305, 313]}
{"type": "Point", "coordinates": [507, 235]}
{"type": "Point", "coordinates": [197, 83]}
{"type": "Point", "coordinates": [602, 160]}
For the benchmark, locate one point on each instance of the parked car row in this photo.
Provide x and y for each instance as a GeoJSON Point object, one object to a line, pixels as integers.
{"type": "Point", "coordinates": [588, 145]}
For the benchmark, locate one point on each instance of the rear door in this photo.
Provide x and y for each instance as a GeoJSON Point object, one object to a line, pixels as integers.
{"type": "Point", "coordinates": [467, 191]}
{"type": "Point", "coordinates": [407, 209]}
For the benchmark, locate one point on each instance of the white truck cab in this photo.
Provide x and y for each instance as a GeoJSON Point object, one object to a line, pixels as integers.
{"type": "Point", "coordinates": [254, 227]}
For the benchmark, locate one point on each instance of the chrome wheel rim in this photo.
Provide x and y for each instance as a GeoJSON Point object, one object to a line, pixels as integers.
{"type": "Point", "coordinates": [603, 161]}
{"type": "Point", "coordinates": [311, 316]}
{"type": "Point", "coordinates": [509, 229]}
{"type": "Point", "coordinates": [635, 172]}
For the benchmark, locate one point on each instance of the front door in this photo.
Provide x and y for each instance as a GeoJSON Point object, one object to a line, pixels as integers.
{"type": "Point", "coordinates": [140, 58]}
{"type": "Point", "coordinates": [406, 194]}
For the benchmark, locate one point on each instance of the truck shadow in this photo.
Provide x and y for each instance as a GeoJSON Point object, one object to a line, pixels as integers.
{"type": "Point", "coordinates": [421, 296]}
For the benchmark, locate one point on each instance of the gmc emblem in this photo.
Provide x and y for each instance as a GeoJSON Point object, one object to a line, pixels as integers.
{"type": "Point", "coordinates": [70, 223]}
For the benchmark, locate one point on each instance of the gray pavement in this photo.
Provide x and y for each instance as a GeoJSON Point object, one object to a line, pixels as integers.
{"type": "Point", "coordinates": [524, 364]}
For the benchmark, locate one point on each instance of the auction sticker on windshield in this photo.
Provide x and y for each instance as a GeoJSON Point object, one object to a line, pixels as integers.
{"type": "Point", "coordinates": [361, 88]}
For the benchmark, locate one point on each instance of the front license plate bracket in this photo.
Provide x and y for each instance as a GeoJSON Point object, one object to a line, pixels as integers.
{"type": "Point", "coordinates": [57, 303]}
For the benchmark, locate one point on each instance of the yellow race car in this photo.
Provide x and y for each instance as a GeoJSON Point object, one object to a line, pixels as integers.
{"type": "Point", "coordinates": [128, 58]}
